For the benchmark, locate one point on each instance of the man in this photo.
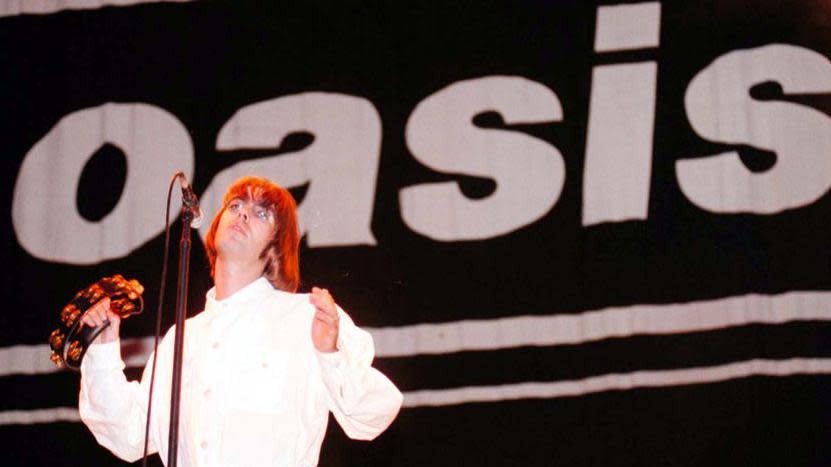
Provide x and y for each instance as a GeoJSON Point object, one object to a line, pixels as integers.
{"type": "Point", "coordinates": [263, 366]}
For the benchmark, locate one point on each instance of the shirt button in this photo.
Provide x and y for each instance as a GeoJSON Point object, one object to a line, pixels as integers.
{"type": "Point", "coordinates": [204, 444]}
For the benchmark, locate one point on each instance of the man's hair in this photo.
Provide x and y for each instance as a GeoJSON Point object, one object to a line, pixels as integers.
{"type": "Point", "coordinates": [282, 266]}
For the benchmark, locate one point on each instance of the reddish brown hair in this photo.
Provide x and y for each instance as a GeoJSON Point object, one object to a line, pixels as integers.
{"type": "Point", "coordinates": [282, 266]}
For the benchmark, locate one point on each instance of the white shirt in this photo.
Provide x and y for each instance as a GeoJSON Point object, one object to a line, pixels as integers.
{"type": "Point", "coordinates": [255, 391]}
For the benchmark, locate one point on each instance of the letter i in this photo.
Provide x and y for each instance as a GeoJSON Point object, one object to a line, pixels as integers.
{"type": "Point", "coordinates": [618, 162]}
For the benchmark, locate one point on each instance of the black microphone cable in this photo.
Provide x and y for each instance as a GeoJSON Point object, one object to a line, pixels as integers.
{"type": "Point", "coordinates": [159, 315]}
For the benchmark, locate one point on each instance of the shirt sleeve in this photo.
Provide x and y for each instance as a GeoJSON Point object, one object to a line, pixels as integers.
{"type": "Point", "coordinates": [114, 409]}
{"type": "Point", "coordinates": [362, 399]}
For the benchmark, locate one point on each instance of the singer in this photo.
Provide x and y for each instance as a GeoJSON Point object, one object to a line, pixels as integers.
{"type": "Point", "coordinates": [263, 365]}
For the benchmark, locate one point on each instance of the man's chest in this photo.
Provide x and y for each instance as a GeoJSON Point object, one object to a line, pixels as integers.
{"type": "Point", "coordinates": [252, 365]}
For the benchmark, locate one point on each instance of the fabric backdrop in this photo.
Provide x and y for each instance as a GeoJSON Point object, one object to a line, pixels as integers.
{"type": "Point", "coordinates": [580, 232]}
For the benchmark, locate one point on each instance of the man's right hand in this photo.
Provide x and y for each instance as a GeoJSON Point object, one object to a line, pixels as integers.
{"type": "Point", "coordinates": [97, 315]}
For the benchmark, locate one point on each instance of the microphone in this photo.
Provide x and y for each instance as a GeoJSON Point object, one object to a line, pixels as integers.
{"type": "Point", "coordinates": [191, 202]}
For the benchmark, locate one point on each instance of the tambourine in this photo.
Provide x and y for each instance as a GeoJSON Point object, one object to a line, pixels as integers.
{"type": "Point", "coordinates": [70, 341]}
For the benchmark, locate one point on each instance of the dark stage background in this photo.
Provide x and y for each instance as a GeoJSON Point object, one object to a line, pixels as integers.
{"type": "Point", "coordinates": [582, 233]}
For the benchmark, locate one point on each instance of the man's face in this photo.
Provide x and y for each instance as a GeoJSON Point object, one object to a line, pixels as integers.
{"type": "Point", "coordinates": [244, 230]}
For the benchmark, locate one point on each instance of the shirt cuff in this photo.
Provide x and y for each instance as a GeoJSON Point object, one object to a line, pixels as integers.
{"type": "Point", "coordinates": [331, 360]}
{"type": "Point", "coordinates": [103, 356]}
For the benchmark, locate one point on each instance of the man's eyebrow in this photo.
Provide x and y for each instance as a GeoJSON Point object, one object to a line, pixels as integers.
{"type": "Point", "coordinates": [266, 208]}
{"type": "Point", "coordinates": [244, 199]}
{"type": "Point", "coordinates": [260, 204]}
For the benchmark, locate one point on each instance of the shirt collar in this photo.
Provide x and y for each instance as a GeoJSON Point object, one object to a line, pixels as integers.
{"type": "Point", "coordinates": [248, 295]}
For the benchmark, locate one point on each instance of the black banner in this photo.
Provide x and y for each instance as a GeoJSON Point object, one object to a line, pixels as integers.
{"type": "Point", "coordinates": [581, 233]}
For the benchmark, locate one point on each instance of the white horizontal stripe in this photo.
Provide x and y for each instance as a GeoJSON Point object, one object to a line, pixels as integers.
{"type": "Point", "coordinates": [523, 331]}
{"type": "Point", "coordinates": [34, 359]}
{"type": "Point", "coordinates": [41, 7]}
{"type": "Point", "coordinates": [30, 417]}
{"type": "Point", "coordinates": [618, 382]}
{"type": "Point", "coordinates": [601, 324]}
{"type": "Point", "coordinates": [549, 390]}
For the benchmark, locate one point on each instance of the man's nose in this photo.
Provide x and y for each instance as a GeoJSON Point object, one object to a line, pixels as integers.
{"type": "Point", "coordinates": [243, 212]}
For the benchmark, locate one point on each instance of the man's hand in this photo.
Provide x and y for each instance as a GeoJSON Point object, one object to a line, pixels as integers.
{"type": "Point", "coordinates": [97, 314]}
{"type": "Point", "coordinates": [326, 322]}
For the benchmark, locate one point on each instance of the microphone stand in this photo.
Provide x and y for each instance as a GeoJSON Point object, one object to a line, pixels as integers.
{"type": "Point", "coordinates": [179, 341]}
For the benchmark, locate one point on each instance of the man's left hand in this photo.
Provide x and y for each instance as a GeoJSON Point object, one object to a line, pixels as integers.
{"type": "Point", "coordinates": [326, 321]}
